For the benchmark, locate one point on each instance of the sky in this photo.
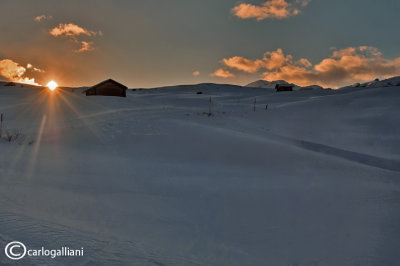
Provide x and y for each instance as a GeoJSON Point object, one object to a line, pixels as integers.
{"type": "Point", "coordinates": [150, 43]}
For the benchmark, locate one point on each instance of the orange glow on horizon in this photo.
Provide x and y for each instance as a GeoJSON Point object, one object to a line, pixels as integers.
{"type": "Point", "coordinates": [52, 85]}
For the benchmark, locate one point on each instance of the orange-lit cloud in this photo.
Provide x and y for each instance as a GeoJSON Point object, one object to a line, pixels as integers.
{"type": "Point", "coordinates": [222, 73]}
{"type": "Point", "coordinates": [15, 72]}
{"type": "Point", "coordinates": [196, 73]}
{"type": "Point", "coordinates": [31, 67]}
{"type": "Point", "coordinates": [242, 64]}
{"type": "Point", "coordinates": [273, 9]}
{"type": "Point", "coordinates": [345, 66]}
{"type": "Point", "coordinates": [271, 60]}
{"type": "Point", "coordinates": [85, 46]}
{"type": "Point", "coordinates": [42, 17]}
{"type": "Point", "coordinates": [71, 30]}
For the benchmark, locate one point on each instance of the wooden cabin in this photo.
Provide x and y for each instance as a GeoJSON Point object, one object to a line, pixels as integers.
{"type": "Point", "coordinates": [108, 87]}
{"type": "Point", "coordinates": [283, 87]}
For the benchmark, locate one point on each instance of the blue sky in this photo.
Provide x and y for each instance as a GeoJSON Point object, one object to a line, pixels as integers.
{"type": "Point", "coordinates": [156, 42]}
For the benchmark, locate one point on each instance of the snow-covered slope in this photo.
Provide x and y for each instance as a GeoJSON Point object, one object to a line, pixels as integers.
{"type": "Point", "coordinates": [395, 81]}
{"type": "Point", "coordinates": [153, 179]}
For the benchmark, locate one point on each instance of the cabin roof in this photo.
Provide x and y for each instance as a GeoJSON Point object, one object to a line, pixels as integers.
{"type": "Point", "coordinates": [105, 81]}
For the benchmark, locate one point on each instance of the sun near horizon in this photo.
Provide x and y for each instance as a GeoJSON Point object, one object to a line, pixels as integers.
{"type": "Point", "coordinates": [52, 85]}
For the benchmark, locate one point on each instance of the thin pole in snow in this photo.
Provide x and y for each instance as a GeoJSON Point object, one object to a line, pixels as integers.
{"type": "Point", "coordinates": [255, 101]}
{"type": "Point", "coordinates": [1, 125]}
{"type": "Point", "coordinates": [209, 107]}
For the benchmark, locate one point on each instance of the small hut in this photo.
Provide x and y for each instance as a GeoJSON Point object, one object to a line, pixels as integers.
{"type": "Point", "coordinates": [9, 84]}
{"type": "Point", "coordinates": [108, 87]}
{"type": "Point", "coordinates": [284, 87]}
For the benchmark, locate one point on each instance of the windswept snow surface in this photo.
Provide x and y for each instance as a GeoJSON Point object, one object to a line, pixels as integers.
{"type": "Point", "coordinates": [151, 179]}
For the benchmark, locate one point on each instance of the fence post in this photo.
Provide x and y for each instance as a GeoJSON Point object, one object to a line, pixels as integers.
{"type": "Point", "coordinates": [209, 107]}
{"type": "Point", "coordinates": [255, 101]}
{"type": "Point", "coordinates": [1, 125]}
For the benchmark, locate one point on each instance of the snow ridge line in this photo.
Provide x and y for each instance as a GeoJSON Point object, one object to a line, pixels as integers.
{"type": "Point", "coordinates": [361, 158]}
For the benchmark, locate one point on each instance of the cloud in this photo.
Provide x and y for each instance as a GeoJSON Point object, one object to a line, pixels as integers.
{"type": "Point", "coordinates": [222, 73]}
{"type": "Point", "coordinates": [242, 64]}
{"type": "Point", "coordinates": [303, 3]}
{"type": "Point", "coordinates": [85, 46]}
{"type": "Point", "coordinates": [304, 62]}
{"type": "Point", "coordinates": [31, 67]}
{"type": "Point", "coordinates": [71, 30]}
{"type": "Point", "coordinates": [271, 60]}
{"type": "Point", "coordinates": [15, 72]}
{"type": "Point", "coordinates": [345, 66]}
{"type": "Point", "coordinates": [42, 17]}
{"type": "Point", "coordinates": [196, 73]}
{"type": "Point", "coordinates": [273, 9]}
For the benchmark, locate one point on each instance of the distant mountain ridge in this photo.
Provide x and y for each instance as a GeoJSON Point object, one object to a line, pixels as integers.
{"type": "Point", "coordinates": [271, 85]}
{"type": "Point", "coordinates": [390, 82]}
{"type": "Point", "coordinates": [266, 84]}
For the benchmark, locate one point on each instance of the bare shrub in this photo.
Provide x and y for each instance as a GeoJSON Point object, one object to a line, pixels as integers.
{"type": "Point", "coordinates": [14, 136]}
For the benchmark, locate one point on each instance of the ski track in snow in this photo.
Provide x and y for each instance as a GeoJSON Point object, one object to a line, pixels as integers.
{"type": "Point", "coordinates": [365, 159]}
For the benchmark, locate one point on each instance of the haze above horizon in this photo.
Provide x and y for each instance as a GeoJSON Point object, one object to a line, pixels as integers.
{"type": "Point", "coordinates": [160, 43]}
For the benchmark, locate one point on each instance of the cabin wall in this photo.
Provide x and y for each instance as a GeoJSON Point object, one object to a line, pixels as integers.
{"type": "Point", "coordinates": [107, 90]}
{"type": "Point", "coordinates": [284, 89]}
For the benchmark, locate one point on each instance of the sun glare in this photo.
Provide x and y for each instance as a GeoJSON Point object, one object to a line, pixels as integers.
{"type": "Point", "coordinates": [52, 85]}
